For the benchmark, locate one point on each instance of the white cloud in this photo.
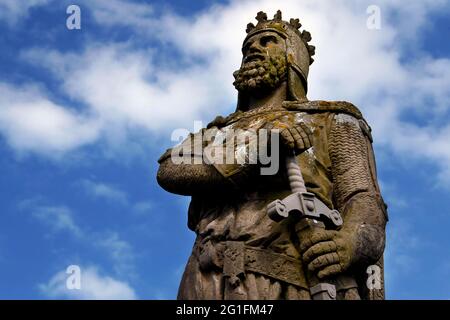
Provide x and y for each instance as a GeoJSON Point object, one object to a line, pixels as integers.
{"type": "Point", "coordinates": [58, 218]}
{"type": "Point", "coordinates": [125, 13]}
{"type": "Point", "coordinates": [31, 122]}
{"type": "Point", "coordinates": [94, 286]}
{"type": "Point", "coordinates": [105, 191]}
{"type": "Point", "coordinates": [13, 10]}
{"type": "Point", "coordinates": [120, 252]}
{"type": "Point", "coordinates": [128, 87]}
{"type": "Point", "coordinates": [143, 207]}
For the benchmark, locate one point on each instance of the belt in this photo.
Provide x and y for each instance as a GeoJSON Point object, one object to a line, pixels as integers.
{"type": "Point", "coordinates": [235, 258]}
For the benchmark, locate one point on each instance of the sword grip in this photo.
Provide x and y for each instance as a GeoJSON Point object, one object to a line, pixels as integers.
{"type": "Point", "coordinates": [295, 176]}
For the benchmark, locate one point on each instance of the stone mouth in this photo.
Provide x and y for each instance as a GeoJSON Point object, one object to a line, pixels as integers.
{"type": "Point", "coordinates": [255, 57]}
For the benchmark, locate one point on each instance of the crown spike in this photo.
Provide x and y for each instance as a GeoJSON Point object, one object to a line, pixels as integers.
{"type": "Point", "coordinates": [306, 36]}
{"type": "Point", "coordinates": [261, 16]}
{"type": "Point", "coordinates": [295, 23]}
{"type": "Point", "coordinates": [277, 16]}
{"type": "Point", "coordinates": [250, 27]}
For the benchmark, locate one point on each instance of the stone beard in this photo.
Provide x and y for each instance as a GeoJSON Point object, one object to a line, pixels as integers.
{"type": "Point", "coordinates": [259, 74]}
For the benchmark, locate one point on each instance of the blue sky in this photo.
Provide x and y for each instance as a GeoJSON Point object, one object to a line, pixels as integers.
{"type": "Point", "coordinates": [85, 114]}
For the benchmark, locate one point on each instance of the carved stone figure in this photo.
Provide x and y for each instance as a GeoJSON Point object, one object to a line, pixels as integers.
{"type": "Point", "coordinates": [241, 252]}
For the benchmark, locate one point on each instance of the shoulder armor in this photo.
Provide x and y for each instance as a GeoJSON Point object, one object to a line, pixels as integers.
{"type": "Point", "coordinates": [334, 107]}
{"type": "Point", "coordinates": [324, 106]}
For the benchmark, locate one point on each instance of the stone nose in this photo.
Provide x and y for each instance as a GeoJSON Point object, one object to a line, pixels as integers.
{"type": "Point", "coordinates": [255, 47]}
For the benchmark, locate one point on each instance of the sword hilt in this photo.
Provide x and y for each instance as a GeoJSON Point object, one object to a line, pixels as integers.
{"type": "Point", "coordinates": [294, 174]}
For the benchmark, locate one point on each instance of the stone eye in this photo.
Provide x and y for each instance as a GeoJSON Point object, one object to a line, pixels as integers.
{"type": "Point", "coordinates": [246, 47]}
{"type": "Point", "coordinates": [267, 39]}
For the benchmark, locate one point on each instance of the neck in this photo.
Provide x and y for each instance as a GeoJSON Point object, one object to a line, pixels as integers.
{"type": "Point", "coordinates": [268, 99]}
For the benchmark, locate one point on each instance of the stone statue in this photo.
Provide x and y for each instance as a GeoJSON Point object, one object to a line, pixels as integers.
{"type": "Point", "coordinates": [240, 252]}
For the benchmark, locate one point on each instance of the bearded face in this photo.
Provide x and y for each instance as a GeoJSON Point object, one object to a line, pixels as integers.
{"type": "Point", "coordinates": [264, 64]}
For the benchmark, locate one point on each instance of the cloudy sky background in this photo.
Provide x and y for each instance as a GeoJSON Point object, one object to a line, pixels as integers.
{"type": "Point", "coordinates": [84, 115]}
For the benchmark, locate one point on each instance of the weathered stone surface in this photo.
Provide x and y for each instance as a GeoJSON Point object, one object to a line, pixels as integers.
{"type": "Point", "coordinates": [240, 252]}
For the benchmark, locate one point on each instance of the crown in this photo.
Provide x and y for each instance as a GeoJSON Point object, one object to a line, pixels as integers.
{"type": "Point", "coordinates": [281, 26]}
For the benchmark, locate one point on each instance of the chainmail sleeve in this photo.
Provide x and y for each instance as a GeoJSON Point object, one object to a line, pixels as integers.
{"type": "Point", "coordinates": [355, 189]}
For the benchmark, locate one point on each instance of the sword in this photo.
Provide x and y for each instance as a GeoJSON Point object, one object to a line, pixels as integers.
{"type": "Point", "coordinates": [312, 213]}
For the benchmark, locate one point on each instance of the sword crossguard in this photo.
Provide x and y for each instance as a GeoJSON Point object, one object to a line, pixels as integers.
{"type": "Point", "coordinates": [304, 205]}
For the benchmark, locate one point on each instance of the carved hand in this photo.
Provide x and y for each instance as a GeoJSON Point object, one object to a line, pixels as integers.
{"type": "Point", "coordinates": [297, 138]}
{"type": "Point", "coordinates": [326, 252]}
